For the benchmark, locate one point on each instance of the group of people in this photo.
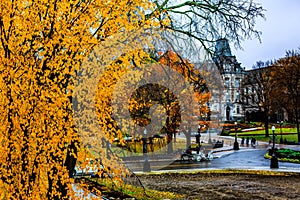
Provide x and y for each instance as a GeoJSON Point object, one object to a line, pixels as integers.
{"type": "Point", "coordinates": [253, 141]}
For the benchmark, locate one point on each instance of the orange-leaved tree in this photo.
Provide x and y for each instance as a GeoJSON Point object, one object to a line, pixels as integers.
{"type": "Point", "coordinates": [131, 87]}
{"type": "Point", "coordinates": [201, 94]}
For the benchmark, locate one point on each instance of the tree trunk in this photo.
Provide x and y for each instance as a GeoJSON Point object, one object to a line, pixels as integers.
{"type": "Point", "coordinates": [297, 122]}
{"type": "Point", "coordinates": [61, 192]}
{"type": "Point", "coordinates": [169, 142]}
{"type": "Point", "coordinates": [188, 138]}
{"type": "Point", "coordinates": [266, 124]}
{"type": "Point", "coordinates": [174, 138]}
{"type": "Point", "coordinates": [70, 161]}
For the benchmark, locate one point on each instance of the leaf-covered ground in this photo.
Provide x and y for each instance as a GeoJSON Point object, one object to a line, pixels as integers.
{"type": "Point", "coordinates": [234, 185]}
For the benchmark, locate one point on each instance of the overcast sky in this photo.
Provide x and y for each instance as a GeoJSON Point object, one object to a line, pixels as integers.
{"type": "Point", "coordinates": [280, 32]}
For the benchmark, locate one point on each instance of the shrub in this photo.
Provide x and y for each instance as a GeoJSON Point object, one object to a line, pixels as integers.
{"type": "Point", "coordinates": [287, 155]}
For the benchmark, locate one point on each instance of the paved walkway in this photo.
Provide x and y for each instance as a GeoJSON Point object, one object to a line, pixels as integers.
{"type": "Point", "coordinates": [228, 145]}
{"type": "Point", "coordinates": [227, 149]}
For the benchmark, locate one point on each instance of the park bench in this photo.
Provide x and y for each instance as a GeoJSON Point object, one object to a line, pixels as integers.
{"type": "Point", "coordinates": [218, 144]}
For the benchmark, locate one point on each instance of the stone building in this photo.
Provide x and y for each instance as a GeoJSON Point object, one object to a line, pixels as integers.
{"type": "Point", "coordinates": [257, 87]}
{"type": "Point", "coordinates": [230, 106]}
{"type": "Point", "coordinates": [242, 95]}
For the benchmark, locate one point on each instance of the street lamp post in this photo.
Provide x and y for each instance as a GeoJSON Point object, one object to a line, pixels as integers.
{"type": "Point", "coordinates": [146, 167]}
{"type": "Point", "coordinates": [274, 160]}
{"type": "Point", "coordinates": [209, 136]}
{"type": "Point", "coordinates": [235, 144]}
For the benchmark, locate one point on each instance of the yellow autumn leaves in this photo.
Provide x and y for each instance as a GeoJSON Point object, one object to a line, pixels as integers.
{"type": "Point", "coordinates": [43, 44]}
{"type": "Point", "coordinates": [42, 47]}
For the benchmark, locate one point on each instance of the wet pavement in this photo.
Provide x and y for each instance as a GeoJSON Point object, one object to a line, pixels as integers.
{"type": "Point", "coordinates": [241, 159]}
{"type": "Point", "coordinates": [247, 157]}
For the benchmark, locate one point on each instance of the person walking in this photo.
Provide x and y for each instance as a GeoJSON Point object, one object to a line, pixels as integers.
{"type": "Point", "coordinates": [243, 141]}
{"type": "Point", "coordinates": [247, 141]}
{"type": "Point", "coordinates": [252, 142]}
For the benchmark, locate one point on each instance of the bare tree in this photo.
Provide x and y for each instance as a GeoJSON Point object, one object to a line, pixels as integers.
{"type": "Point", "coordinates": [206, 21]}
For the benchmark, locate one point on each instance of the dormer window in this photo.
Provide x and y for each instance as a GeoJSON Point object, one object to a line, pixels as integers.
{"type": "Point", "coordinates": [227, 67]}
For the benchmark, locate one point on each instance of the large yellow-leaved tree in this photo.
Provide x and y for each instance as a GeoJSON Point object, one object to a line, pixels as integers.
{"type": "Point", "coordinates": [42, 44]}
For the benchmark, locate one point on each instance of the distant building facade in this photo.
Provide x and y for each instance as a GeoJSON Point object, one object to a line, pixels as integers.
{"type": "Point", "coordinates": [230, 106]}
{"type": "Point", "coordinates": [242, 93]}
{"type": "Point", "coordinates": [256, 88]}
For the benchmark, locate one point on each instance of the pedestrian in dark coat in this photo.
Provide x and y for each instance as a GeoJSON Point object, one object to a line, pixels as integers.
{"type": "Point", "coordinates": [247, 141]}
{"type": "Point", "coordinates": [243, 141]}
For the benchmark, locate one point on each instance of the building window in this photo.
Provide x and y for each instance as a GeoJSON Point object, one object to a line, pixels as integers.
{"type": "Point", "coordinates": [227, 67]}
{"type": "Point", "coordinates": [247, 95]}
{"type": "Point", "coordinates": [237, 109]}
{"type": "Point", "coordinates": [237, 96]}
{"type": "Point", "coordinates": [227, 96]}
{"type": "Point", "coordinates": [227, 82]}
{"type": "Point", "coordinates": [215, 107]}
{"type": "Point", "coordinates": [237, 82]}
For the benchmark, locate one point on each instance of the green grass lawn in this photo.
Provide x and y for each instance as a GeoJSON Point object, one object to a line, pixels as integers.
{"type": "Point", "coordinates": [259, 134]}
{"type": "Point", "coordinates": [277, 131]}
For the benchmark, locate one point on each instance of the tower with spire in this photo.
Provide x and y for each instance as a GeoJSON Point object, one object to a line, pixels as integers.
{"type": "Point", "coordinates": [231, 107]}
